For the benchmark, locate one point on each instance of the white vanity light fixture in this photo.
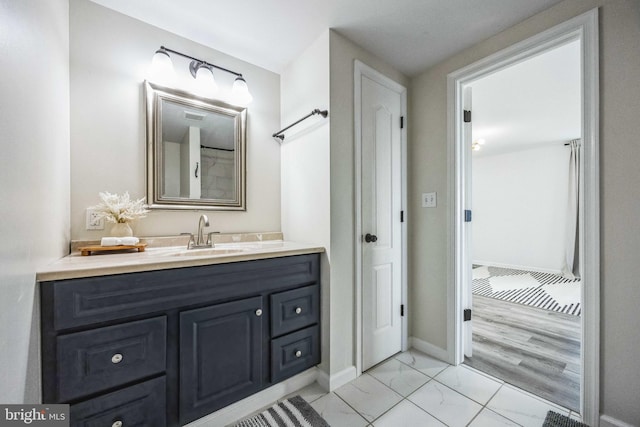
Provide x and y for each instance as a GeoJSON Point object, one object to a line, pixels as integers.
{"type": "Point", "coordinates": [240, 92]}
{"type": "Point", "coordinates": [202, 72]}
{"type": "Point", "coordinates": [161, 70]}
{"type": "Point", "coordinates": [205, 82]}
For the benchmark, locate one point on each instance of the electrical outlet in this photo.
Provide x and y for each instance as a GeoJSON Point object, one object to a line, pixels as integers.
{"type": "Point", "coordinates": [93, 221]}
{"type": "Point", "coordinates": [429, 200]}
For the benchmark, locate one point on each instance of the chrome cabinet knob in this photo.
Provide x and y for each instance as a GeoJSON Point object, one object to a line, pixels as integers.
{"type": "Point", "coordinates": [298, 310]}
{"type": "Point", "coordinates": [298, 353]}
{"type": "Point", "coordinates": [116, 358]}
{"type": "Point", "coordinates": [117, 423]}
{"type": "Point", "coordinates": [259, 312]}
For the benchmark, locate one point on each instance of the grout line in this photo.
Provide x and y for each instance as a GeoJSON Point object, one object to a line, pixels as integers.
{"type": "Point", "coordinates": [403, 398]}
{"type": "Point", "coordinates": [379, 416]}
{"type": "Point", "coordinates": [491, 410]}
{"type": "Point", "coordinates": [392, 390]}
{"type": "Point", "coordinates": [484, 406]}
{"type": "Point", "coordinates": [347, 403]}
{"type": "Point", "coordinates": [431, 379]}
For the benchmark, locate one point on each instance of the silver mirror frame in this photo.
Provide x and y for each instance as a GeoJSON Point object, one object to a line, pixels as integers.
{"type": "Point", "coordinates": [154, 95]}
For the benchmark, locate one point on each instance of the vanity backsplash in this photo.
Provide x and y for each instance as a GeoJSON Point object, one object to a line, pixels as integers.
{"type": "Point", "coordinates": [170, 241]}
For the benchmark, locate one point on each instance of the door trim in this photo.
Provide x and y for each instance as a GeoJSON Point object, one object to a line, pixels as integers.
{"type": "Point", "coordinates": [585, 28]}
{"type": "Point", "coordinates": [360, 70]}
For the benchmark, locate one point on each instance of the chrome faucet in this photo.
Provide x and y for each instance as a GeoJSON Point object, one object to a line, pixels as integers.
{"type": "Point", "coordinates": [203, 222]}
{"type": "Point", "coordinates": [199, 242]}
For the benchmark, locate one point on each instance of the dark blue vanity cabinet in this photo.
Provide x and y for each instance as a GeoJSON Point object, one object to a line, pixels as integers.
{"type": "Point", "coordinates": [166, 347]}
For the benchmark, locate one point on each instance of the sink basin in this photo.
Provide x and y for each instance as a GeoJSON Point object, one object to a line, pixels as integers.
{"type": "Point", "coordinates": [209, 251]}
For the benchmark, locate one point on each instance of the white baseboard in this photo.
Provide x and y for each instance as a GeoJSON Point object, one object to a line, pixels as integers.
{"type": "Point", "coordinates": [607, 421]}
{"type": "Point", "coordinates": [430, 349]}
{"type": "Point", "coordinates": [517, 267]}
{"type": "Point", "coordinates": [336, 380]}
{"type": "Point", "coordinates": [255, 402]}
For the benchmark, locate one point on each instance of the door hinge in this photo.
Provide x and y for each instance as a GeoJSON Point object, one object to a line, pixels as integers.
{"type": "Point", "coordinates": [401, 216]}
{"type": "Point", "coordinates": [467, 314]}
{"type": "Point", "coordinates": [467, 116]}
{"type": "Point", "coordinates": [467, 215]}
{"type": "Point", "coordinates": [402, 310]}
{"type": "Point", "coordinates": [401, 122]}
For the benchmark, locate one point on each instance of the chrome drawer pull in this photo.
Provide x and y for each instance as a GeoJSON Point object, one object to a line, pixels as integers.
{"type": "Point", "coordinates": [116, 358]}
{"type": "Point", "coordinates": [298, 353]}
{"type": "Point", "coordinates": [298, 310]}
{"type": "Point", "coordinates": [258, 312]}
{"type": "Point", "coordinates": [117, 423]}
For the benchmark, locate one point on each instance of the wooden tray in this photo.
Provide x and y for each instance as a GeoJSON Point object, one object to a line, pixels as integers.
{"type": "Point", "coordinates": [87, 250]}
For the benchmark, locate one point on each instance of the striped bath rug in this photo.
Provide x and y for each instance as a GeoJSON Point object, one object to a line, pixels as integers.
{"type": "Point", "coordinates": [554, 419]}
{"type": "Point", "coordinates": [293, 412]}
{"type": "Point", "coordinates": [542, 290]}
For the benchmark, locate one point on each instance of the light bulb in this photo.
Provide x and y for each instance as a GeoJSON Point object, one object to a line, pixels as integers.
{"type": "Point", "coordinates": [205, 83]}
{"type": "Point", "coordinates": [161, 70]}
{"type": "Point", "coordinates": [481, 141]}
{"type": "Point", "coordinates": [240, 92]}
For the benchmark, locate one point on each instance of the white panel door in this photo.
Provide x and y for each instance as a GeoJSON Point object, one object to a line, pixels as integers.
{"type": "Point", "coordinates": [381, 228]}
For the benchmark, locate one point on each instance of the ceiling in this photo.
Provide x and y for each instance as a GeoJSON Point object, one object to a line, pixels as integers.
{"type": "Point", "coordinates": [411, 35]}
{"type": "Point", "coordinates": [534, 102]}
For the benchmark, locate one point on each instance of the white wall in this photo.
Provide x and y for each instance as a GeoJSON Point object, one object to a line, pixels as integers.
{"type": "Point", "coordinates": [318, 177]}
{"type": "Point", "coordinates": [619, 191]}
{"type": "Point", "coordinates": [110, 55]}
{"type": "Point", "coordinates": [305, 150]}
{"type": "Point", "coordinates": [34, 177]}
{"type": "Point", "coordinates": [519, 208]}
{"type": "Point", "coordinates": [305, 157]}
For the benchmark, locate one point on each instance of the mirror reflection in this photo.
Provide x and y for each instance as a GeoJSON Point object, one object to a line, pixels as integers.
{"type": "Point", "coordinates": [196, 151]}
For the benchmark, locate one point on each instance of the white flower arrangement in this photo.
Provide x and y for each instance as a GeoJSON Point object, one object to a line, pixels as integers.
{"type": "Point", "coordinates": [120, 209]}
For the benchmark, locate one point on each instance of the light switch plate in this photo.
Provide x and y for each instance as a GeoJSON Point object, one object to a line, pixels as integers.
{"type": "Point", "coordinates": [93, 222]}
{"type": "Point", "coordinates": [429, 200]}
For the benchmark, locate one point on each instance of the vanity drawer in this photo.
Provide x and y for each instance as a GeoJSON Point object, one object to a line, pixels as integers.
{"type": "Point", "coordinates": [294, 309]}
{"type": "Point", "coordinates": [96, 360]}
{"type": "Point", "coordinates": [294, 353]}
{"type": "Point", "coordinates": [139, 405]}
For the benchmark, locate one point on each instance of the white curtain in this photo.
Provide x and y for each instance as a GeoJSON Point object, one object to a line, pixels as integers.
{"type": "Point", "coordinates": [571, 268]}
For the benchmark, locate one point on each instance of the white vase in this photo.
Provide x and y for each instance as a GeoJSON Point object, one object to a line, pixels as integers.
{"type": "Point", "coordinates": [121, 229]}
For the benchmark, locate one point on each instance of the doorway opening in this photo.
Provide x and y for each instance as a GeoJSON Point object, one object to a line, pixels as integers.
{"type": "Point", "coordinates": [581, 30]}
{"type": "Point", "coordinates": [525, 295]}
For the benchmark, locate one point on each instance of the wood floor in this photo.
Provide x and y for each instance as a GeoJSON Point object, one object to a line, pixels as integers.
{"type": "Point", "coordinates": [534, 349]}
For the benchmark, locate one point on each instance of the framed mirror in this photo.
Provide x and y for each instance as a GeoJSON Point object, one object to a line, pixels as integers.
{"type": "Point", "coordinates": [196, 151]}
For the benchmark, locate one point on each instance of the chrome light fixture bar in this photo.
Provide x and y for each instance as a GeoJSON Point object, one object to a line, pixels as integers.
{"type": "Point", "coordinates": [202, 71]}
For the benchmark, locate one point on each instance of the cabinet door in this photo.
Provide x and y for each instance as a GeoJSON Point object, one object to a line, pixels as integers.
{"type": "Point", "coordinates": [220, 356]}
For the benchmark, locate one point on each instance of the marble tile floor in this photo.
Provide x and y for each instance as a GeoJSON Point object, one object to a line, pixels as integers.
{"type": "Point", "coordinates": [413, 389]}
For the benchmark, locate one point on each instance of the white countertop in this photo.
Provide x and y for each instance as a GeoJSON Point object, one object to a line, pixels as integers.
{"type": "Point", "coordinates": [161, 258]}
